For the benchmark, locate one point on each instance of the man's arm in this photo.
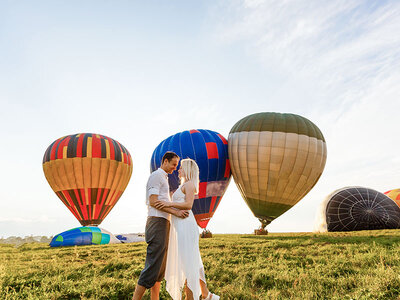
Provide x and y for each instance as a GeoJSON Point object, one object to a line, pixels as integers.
{"type": "Point", "coordinates": [176, 212]}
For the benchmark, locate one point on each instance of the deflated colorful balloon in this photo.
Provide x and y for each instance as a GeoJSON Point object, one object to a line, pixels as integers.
{"type": "Point", "coordinates": [88, 172]}
{"type": "Point", "coordinates": [209, 149]}
{"type": "Point", "coordinates": [359, 208]}
{"type": "Point", "coordinates": [276, 159]}
{"type": "Point", "coordinates": [394, 195]}
{"type": "Point", "coordinates": [82, 236]}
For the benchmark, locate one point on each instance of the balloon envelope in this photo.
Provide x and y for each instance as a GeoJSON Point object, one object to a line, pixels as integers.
{"type": "Point", "coordinates": [394, 195]}
{"type": "Point", "coordinates": [275, 159]}
{"type": "Point", "coordinates": [81, 236]}
{"type": "Point", "coordinates": [359, 208]}
{"type": "Point", "coordinates": [209, 149]}
{"type": "Point", "coordinates": [89, 173]}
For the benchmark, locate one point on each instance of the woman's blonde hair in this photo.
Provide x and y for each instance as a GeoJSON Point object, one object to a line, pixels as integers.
{"type": "Point", "coordinates": [191, 169]}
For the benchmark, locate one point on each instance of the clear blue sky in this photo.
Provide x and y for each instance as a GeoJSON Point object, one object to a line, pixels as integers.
{"type": "Point", "coordinates": [142, 71]}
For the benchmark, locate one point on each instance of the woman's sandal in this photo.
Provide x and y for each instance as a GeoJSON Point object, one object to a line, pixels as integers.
{"type": "Point", "coordinates": [211, 296]}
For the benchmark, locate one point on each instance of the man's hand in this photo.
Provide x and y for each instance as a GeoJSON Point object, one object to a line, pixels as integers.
{"type": "Point", "coordinates": [182, 214]}
{"type": "Point", "coordinates": [161, 204]}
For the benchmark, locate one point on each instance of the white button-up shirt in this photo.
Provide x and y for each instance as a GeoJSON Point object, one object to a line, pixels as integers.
{"type": "Point", "coordinates": [157, 185]}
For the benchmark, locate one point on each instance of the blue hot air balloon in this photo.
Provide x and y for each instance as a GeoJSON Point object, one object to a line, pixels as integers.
{"type": "Point", "coordinates": [86, 235]}
{"type": "Point", "coordinates": [210, 151]}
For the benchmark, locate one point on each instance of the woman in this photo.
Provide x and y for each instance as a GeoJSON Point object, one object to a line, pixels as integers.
{"type": "Point", "coordinates": [184, 264]}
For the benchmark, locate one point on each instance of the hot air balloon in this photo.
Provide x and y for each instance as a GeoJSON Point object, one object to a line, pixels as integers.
{"type": "Point", "coordinates": [276, 159]}
{"type": "Point", "coordinates": [209, 149]}
{"type": "Point", "coordinates": [88, 172]}
{"type": "Point", "coordinates": [394, 195]}
{"type": "Point", "coordinates": [359, 208]}
{"type": "Point", "coordinates": [82, 236]}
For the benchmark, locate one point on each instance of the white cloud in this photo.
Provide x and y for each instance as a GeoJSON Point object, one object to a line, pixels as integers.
{"type": "Point", "coordinates": [334, 48]}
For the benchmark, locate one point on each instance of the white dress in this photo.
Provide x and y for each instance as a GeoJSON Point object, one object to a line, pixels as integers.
{"type": "Point", "coordinates": [183, 258]}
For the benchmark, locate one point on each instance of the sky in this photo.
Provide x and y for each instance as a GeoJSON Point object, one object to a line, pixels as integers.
{"type": "Point", "coordinates": [141, 71]}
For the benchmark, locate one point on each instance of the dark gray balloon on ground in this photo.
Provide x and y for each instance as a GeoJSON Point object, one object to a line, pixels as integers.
{"type": "Point", "coordinates": [359, 208]}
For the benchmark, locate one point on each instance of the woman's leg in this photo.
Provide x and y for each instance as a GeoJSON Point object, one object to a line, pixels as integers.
{"type": "Point", "coordinates": [204, 289]}
{"type": "Point", "coordinates": [189, 294]}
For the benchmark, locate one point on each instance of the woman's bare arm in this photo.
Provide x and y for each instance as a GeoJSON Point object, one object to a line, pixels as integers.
{"type": "Point", "coordinates": [153, 199]}
{"type": "Point", "coordinates": [188, 189]}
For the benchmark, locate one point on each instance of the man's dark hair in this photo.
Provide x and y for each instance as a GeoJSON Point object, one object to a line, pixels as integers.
{"type": "Point", "coordinates": [169, 155]}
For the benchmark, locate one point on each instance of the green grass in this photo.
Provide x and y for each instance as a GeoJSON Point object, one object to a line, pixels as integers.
{"type": "Point", "coordinates": [354, 265]}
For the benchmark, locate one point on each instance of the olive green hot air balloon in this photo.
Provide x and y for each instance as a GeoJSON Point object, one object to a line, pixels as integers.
{"type": "Point", "coordinates": [275, 159]}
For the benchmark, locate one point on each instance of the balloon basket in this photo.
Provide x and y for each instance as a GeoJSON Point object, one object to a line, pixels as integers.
{"type": "Point", "coordinates": [206, 234]}
{"type": "Point", "coordinates": [260, 231]}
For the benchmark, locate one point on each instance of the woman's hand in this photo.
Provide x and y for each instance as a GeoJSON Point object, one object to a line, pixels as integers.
{"type": "Point", "coordinates": [162, 204]}
{"type": "Point", "coordinates": [181, 213]}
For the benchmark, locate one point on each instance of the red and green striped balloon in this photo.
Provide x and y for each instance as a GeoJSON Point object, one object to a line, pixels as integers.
{"type": "Point", "coordinates": [88, 172]}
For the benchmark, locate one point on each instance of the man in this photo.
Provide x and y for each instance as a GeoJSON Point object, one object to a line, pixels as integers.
{"type": "Point", "coordinates": [157, 228]}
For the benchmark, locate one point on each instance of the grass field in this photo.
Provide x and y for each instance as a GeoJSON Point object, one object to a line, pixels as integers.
{"type": "Point", "coordinates": [354, 265]}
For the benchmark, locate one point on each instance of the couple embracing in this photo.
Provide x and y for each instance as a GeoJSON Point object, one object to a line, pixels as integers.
{"type": "Point", "coordinates": [172, 235]}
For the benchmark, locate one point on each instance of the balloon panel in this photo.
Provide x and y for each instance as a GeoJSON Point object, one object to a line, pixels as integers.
{"type": "Point", "coordinates": [358, 208]}
{"type": "Point", "coordinates": [394, 195]}
{"type": "Point", "coordinates": [276, 159]}
{"type": "Point", "coordinates": [209, 150]}
{"type": "Point", "coordinates": [278, 122]}
{"type": "Point", "coordinates": [82, 236]}
{"type": "Point", "coordinates": [88, 172]}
